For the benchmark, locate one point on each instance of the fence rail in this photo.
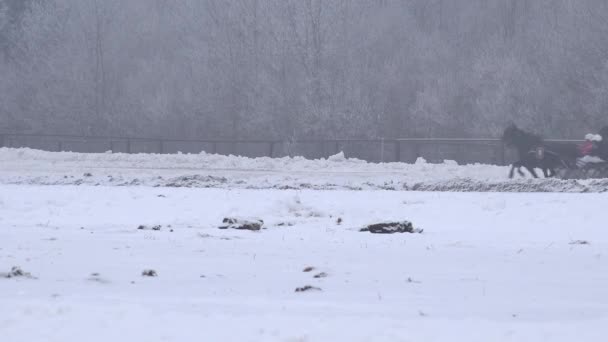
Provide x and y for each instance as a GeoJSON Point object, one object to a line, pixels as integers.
{"type": "Point", "coordinates": [461, 150]}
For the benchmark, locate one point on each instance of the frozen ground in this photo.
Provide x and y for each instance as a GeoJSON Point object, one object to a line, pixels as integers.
{"type": "Point", "coordinates": [488, 267]}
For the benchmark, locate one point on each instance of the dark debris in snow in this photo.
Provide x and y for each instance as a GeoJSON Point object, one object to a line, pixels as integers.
{"type": "Point", "coordinates": [242, 224]}
{"type": "Point", "coordinates": [392, 228]}
{"type": "Point", "coordinates": [145, 227]}
{"type": "Point", "coordinates": [308, 288]}
{"type": "Point", "coordinates": [16, 272]}
{"type": "Point", "coordinates": [149, 273]}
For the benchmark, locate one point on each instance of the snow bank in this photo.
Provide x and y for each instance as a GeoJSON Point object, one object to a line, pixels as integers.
{"type": "Point", "coordinates": [207, 161]}
{"type": "Point", "coordinates": [27, 166]}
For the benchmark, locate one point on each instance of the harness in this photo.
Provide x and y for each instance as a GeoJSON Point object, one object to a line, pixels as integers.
{"type": "Point", "coordinates": [539, 152]}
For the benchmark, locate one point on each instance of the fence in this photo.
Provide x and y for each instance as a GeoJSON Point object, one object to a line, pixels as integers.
{"type": "Point", "coordinates": [463, 151]}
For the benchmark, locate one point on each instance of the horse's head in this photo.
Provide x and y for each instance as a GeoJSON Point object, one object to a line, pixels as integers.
{"type": "Point", "coordinates": [539, 153]}
{"type": "Point", "coordinates": [511, 135]}
{"type": "Point", "coordinates": [523, 141]}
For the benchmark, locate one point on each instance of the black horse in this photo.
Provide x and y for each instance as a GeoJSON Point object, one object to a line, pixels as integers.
{"type": "Point", "coordinates": [533, 153]}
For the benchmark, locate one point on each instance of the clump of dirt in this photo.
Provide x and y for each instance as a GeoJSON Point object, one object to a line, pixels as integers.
{"type": "Point", "coordinates": [16, 272]}
{"type": "Point", "coordinates": [392, 228]}
{"type": "Point", "coordinates": [149, 273]}
{"type": "Point", "coordinates": [145, 227]}
{"type": "Point", "coordinates": [580, 242]}
{"type": "Point", "coordinates": [308, 288]}
{"type": "Point", "coordinates": [96, 277]}
{"type": "Point", "coordinates": [308, 269]}
{"type": "Point", "coordinates": [242, 224]}
{"type": "Point", "coordinates": [320, 275]}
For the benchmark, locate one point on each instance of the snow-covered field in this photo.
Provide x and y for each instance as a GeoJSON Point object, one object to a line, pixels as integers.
{"type": "Point", "coordinates": [489, 266]}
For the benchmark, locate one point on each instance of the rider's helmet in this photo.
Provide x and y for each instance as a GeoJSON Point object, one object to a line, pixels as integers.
{"type": "Point", "coordinates": [594, 138]}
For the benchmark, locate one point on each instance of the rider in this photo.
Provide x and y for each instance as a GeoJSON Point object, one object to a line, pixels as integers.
{"type": "Point", "coordinates": [589, 147]}
{"type": "Point", "coordinates": [589, 150]}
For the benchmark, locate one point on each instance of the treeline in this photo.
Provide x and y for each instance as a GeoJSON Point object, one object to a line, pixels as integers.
{"type": "Point", "coordinates": [290, 69]}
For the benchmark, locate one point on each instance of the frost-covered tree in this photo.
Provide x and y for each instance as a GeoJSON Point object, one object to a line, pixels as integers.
{"type": "Point", "coordinates": [298, 69]}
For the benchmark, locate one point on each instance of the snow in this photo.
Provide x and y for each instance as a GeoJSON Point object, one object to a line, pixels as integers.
{"type": "Point", "coordinates": [489, 266]}
{"type": "Point", "coordinates": [18, 159]}
{"type": "Point", "coordinates": [496, 267]}
{"type": "Point", "coordinates": [26, 166]}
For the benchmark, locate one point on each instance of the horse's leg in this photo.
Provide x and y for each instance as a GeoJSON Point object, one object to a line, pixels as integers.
{"type": "Point", "coordinates": [512, 172]}
{"type": "Point", "coordinates": [521, 173]}
{"type": "Point", "coordinates": [555, 163]}
{"type": "Point", "coordinates": [522, 163]}
{"type": "Point", "coordinates": [531, 170]}
{"type": "Point", "coordinates": [548, 169]}
{"type": "Point", "coordinates": [517, 165]}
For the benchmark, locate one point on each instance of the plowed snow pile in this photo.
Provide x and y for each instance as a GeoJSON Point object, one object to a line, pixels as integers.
{"type": "Point", "coordinates": [26, 166]}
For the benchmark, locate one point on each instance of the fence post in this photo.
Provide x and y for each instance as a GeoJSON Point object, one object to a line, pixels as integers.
{"type": "Point", "coordinates": [503, 158]}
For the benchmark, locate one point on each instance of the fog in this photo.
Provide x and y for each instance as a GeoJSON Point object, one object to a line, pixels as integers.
{"type": "Point", "coordinates": [295, 69]}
